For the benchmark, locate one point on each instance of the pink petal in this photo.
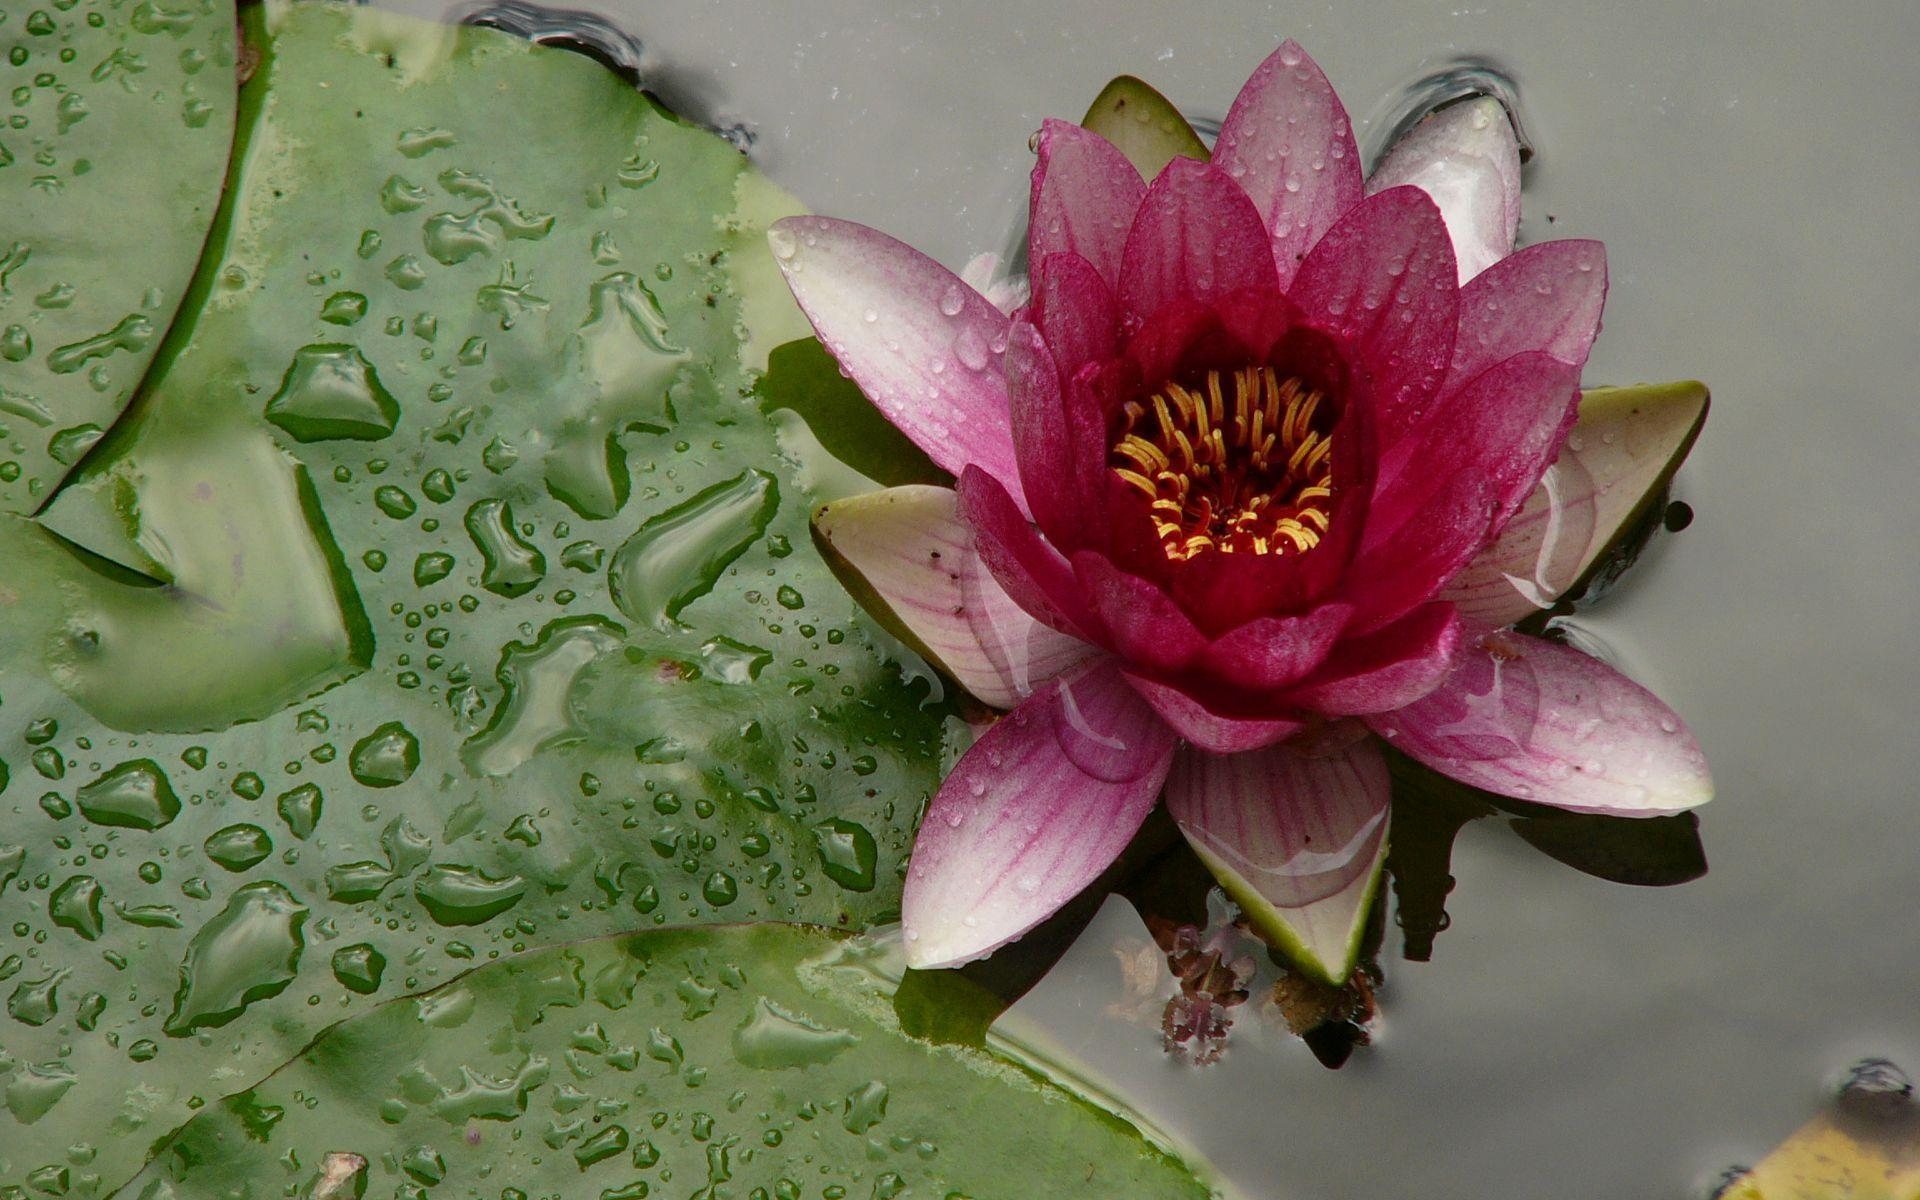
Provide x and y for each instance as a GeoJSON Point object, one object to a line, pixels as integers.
{"type": "Point", "coordinates": [1271, 652]}
{"type": "Point", "coordinates": [923, 346]}
{"type": "Point", "coordinates": [1143, 624]}
{"type": "Point", "coordinates": [1031, 571]}
{"type": "Point", "coordinates": [1195, 239]}
{"type": "Point", "coordinates": [1085, 193]}
{"type": "Point", "coordinates": [1295, 838]}
{"type": "Point", "coordinates": [1401, 568]}
{"type": "Point", "coordinates": [1221, 733]}
{"type": "Point", "coordinates": [1062, 456]}
{"type": "Point", "coordinates": [1596, 742]}
{"type": "Point", "coordinates": [910, 546]}
{"type": "Point", "coordinates": [1076, 310]}
{"type": "Point", "coordinates": [1451, 486]}
{"type": "Point", "coordinates": [1624, 446]}
{"type": "Point", "coordinates": [1384, 670]}
{"type": "Point", "coordinates": [1466, 157]}
{"type": "Point", "coordinates": [1540, 554]}
{"type": "Point", "coordinates": [1033, 812]}
{"type": "Point", "coordinates": [1288, 143]}
{"type": "Point", "coordinates": [1546, 297]}
{"type": "Point", "coordinates": [1383, 282]}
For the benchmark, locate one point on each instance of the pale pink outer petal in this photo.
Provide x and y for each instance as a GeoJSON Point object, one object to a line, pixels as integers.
{"type": "Point", "coordinates": [1598, 743]}
{"type": "Point", "coordinates": [910, 545]}
{"type": "Point", "coordinates": [1466, 157]}
{"type": "Point", "coordinates": [1083, 198]}
{"type": "Point", "coordinates": [1547, 297]}
{"type": "Point", "coordinates": [922, 345]}
{"type": "Point", "coordinates": [1295, 838]}
{"type": "Point", "coordinates": [1209, 730]}
{"type": "Point", "coordinates": [1624, 443]}
{"type": "Point", "coordinates": [1289, 145]}
{"type": "Point", "coordinates": [1033, 812]}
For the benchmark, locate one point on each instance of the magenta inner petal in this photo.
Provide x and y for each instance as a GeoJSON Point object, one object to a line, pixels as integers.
{"type": "Point", "coordinates": [1084, 196]}
{"type": "Point", "coordinates": [1195, 239]}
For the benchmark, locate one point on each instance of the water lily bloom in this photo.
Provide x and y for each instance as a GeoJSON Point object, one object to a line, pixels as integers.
{"type": "Point", "coordinates": [1231, 487]}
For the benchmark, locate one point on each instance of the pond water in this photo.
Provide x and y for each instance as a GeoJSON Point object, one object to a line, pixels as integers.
{"type": "Point", "coordinates": [1570, 1037]}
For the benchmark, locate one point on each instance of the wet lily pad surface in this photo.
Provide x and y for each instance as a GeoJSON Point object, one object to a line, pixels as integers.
{"type": "Point", "coordinates": [103, 229]}
{"type": "Point", "coordinates": [758, 1061]}
{"type": "Point", "coordinates": [357, 655]}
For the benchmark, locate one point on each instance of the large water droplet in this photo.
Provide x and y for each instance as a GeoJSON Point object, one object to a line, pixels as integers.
{"type": "Point", "coordinates": [536, 712]}
{"type": "Point", "coordinates": [678, 555]}
{"type": "Point", "coordinates": [775, 1038]}
{"type": "Point", "coordinates": [75, 905]}
{"type": "Point", "coordinates": [249, 952]}
{"type": "Point", "coordinates": [386, 757]}
{"type": "Point", "coordinates": [461, 895]}
{"type": "Point", "coordinates": [512, 566]}
{"type": "Point", "coordinates": [331, 391]}
{"type": "Point", "coordinates": [847, 853]}
{"type": "Point", "coordinates": [133, 795]}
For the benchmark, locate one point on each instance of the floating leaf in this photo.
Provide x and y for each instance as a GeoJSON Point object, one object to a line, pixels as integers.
{"type": "Point", "coordinates": [447, 765]}
{"type": "Point", "coordinates": [110, 166]}
{"type": "Point", "coordinates": [762, 1060]}
{"type": "Point", "coordinates": [1145, 125]}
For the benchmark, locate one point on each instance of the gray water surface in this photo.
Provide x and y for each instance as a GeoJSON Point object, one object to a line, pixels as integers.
{"type": "Point", "coordinates": [1750, 167]}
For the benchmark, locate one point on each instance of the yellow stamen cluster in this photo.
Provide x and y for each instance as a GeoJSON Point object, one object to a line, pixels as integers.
{"type": "Point", "coordinates": [1240, 464]}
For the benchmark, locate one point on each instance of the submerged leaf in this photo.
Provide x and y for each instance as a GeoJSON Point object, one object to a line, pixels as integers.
{"type": "Point", "coordinates": [582, 1071]}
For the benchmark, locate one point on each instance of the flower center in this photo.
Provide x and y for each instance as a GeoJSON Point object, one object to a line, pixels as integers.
{"type": "Point", "coordinates": [1241, 464]}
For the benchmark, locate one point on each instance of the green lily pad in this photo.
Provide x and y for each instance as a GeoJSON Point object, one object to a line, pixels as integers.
{"type": "Point", "coordinates": [103, 228]}
{"type": "Point", "coordinates": [449, 763]}
{"type": "Point", "coordinates": [1144, 125]}
{"type": "Point", "coordinates": [762, 1061]}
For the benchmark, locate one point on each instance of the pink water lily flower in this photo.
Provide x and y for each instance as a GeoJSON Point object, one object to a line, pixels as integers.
{"type": "Point", "coordinates": [1227, 485]}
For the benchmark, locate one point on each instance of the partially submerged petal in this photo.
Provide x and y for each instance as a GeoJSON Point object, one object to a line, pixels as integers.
{"type": "Point", "coordinates": [921, 344]}
{"type": "Point", "coordinates": [908, 558]}
{"type": "Point", "coordinates": [1196, 238]}
{"type": "Point", "coordinates": [1597, 742]}
{"type": "Point", "coordinates": [1617, 462]}
{"type": "Point", "coordinates": [1296, 838]}
{"type": "Point", "coordinates": [1033, 812]}
{"type": "Point", "coordinates": [1289, 145]}
{"type": "Point", "coordinates": [1084, 195]}
{"type": "Point", "coordinates": [1143, 125]}
{"type": "Point", "coordinates": [1467, 158]}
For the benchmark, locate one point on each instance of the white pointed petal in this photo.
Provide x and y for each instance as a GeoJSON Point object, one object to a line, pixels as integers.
{"type": "Point", "coordinates": [909, 546]}
{"type": "Point", "coordinates": [1466, 157]}
{"type": "Point", "coordinates": [922, 345]}
{"type": "Point", "coordinates": [1296, 837]}
{"type": "Point", "coordinates": [1626, 446]}
{"type": "Point", "coordinates": [1593, 740]}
